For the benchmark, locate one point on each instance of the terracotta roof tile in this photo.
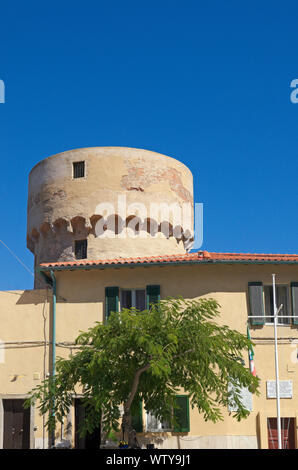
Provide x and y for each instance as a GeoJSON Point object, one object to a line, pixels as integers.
{"type": "Point", "coordinates": [200, 256]}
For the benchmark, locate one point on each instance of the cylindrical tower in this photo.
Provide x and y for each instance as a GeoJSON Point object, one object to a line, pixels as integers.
{"type": "Point", "coordinates": [108, 202]}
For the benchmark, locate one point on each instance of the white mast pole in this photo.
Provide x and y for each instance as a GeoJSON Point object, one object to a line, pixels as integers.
{"type": "Point", "coordinates": [276, 364]}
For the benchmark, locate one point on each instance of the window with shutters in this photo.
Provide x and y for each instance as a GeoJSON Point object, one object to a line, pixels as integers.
{"type": "Point", "coordinates": [78, 169]}
{"type": "Point", "coordinates": [112, 300]}
{"type": "Point", "coordinates": [256, 303]}
{"type": "Point", "coordinates": [282, 298]}
{"type": "Point", "coordinates": [261, 309]}
{"type": "Point", "coordinates": [181, 414]}
{"type": "Point", "coordinates": [153, 424]}
{"type": "Point", "coordinates": [152, 295]}
{"type": "Point", "coordinates": [116, 298]}
{"type": "Point", "coordinates": [140, 298]}
{"type": "Point", "coordinates": [137, 415]}
{"type": "Point", "coordinates": [80, 249]}
{"type": "Point", "coordinates": [294, 301]}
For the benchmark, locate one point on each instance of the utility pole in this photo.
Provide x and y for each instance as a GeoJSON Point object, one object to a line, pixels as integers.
{"type": "Point", "coordinates": [276, 312]}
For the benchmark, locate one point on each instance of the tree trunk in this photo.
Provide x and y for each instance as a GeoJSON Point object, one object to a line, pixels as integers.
{"type": "Point", "coordinates": [129, 433]}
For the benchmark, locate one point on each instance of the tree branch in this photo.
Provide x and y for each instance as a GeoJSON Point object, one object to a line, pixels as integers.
{"type": "Point", "coordinates": [134, 386]}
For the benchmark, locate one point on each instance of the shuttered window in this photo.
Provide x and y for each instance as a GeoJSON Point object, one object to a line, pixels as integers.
{"type": "Point", "coordinates": [153, 424]}
{"type": "Point", "coordinates": [112, 300]}
{"type": "Point", "coordinates": [256, 302]}
{"type": "Point", "coordinates": [294, 298]}
{"type": "Point", "coordinates": [152, 294]}
{"type": "Point", "coordinates": [137, 416]}
{"type": "Point", "coordinates": [181, 414]}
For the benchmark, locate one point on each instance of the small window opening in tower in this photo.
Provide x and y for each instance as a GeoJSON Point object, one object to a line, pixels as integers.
{"type": "Point", "coordinates": [78, 169]}
{"type": "Point", "coordinates": [81, 249]}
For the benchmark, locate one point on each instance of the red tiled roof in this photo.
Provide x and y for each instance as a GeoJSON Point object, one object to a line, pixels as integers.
{"type": "Point", "coordinates": [200, 256]}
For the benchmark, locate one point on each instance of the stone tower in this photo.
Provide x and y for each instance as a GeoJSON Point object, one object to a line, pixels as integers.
{"type": "Point", "coordinates": [108, 202]}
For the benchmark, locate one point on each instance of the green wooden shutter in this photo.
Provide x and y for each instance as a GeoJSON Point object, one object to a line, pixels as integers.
{"type": "Point", "coordinates": [294, 297]}
{"type": "Point", "coordinates": [152, 294]}
{"type": "Point", "coordinates": [256, 302]}
{"type": "Point", "coordinates": [137, 417]}
{"type": "Point", "coordinates": [181, 414]}
{"type": "Point", "coordinates": [112, 300]}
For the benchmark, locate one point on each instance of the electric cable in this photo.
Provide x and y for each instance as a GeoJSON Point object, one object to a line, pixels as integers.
{"type": "Point", "coordinates": [17, 258]}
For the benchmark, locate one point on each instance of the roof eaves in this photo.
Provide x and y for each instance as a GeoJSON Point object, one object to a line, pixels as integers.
{"type": "Point", "coordinates": [89, 266]}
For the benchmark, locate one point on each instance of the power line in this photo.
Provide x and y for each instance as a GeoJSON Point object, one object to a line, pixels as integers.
{"type": "Point", "coordinates": [15, 256]}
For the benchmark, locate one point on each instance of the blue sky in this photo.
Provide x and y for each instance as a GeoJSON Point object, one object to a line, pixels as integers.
{"type": "Point", "coordinates": [205, 82]}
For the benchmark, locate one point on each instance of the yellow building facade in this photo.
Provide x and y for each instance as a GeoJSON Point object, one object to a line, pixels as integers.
{"type": "Point", "coordinates": [71, 294]}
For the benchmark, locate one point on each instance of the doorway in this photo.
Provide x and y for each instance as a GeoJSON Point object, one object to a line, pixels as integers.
{"type": "Point", "coordinates": [90, 440]}
{"type": "Point", "coordinates": [16, 424]}
{"type": "Point", "coordinates": [287, 433]}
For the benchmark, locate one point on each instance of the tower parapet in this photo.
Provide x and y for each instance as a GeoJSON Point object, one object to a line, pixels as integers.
{"type": "Point", "coordinates": [109, 202]}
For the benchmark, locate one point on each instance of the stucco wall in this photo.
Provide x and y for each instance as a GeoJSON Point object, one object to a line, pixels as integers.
{"type": "Point", "coordinates": [228, 285]}
{"type": "Point", "coordinates": [80, 302]}
{"type": "Point", "coordinates": [24, 359]}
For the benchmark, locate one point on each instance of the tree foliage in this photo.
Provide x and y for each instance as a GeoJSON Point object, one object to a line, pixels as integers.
{"type": "Point", "coordinates": [151, 355]}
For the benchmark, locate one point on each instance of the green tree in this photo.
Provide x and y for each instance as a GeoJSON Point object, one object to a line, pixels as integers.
{"type": "Point", "coordinates": [151, 355]}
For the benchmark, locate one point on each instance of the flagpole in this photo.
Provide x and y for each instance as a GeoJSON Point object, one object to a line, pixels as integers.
{"type": "Point", "coordinates": [276, 364]}
{"type": "Point", "coordinates": [251, 355]}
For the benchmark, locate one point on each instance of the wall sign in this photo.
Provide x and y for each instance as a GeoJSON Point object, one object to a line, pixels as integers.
{"type": "Point", "coordinates": [285, 389]}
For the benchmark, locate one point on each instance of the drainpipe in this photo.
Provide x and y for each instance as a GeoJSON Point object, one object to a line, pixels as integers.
{"type": "Point", "coordinates": [53, 341]}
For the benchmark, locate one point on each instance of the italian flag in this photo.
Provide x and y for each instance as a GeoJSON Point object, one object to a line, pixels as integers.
{"type": "Point", "coordinates": [251, 356]}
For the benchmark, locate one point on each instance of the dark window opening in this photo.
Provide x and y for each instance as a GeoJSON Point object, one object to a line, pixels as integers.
{"type": "Point", "coordinates": [90, 440]}
{"type": "Point", "coordinates": [78, 169]}
{"type": "Point", "coordinates": [140, 300]}
{"type": "Point", "coordinates": [81, 249]}
{"type": "Point", "coordinates": [133, 298]}
{"type": "Point", "coordinates": [281, 298]}
{"type": "Point", "coordinates": [126, 299]}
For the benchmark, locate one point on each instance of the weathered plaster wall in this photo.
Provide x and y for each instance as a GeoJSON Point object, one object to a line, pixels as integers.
{"type": "Point", "coordinates": [62, 209]}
